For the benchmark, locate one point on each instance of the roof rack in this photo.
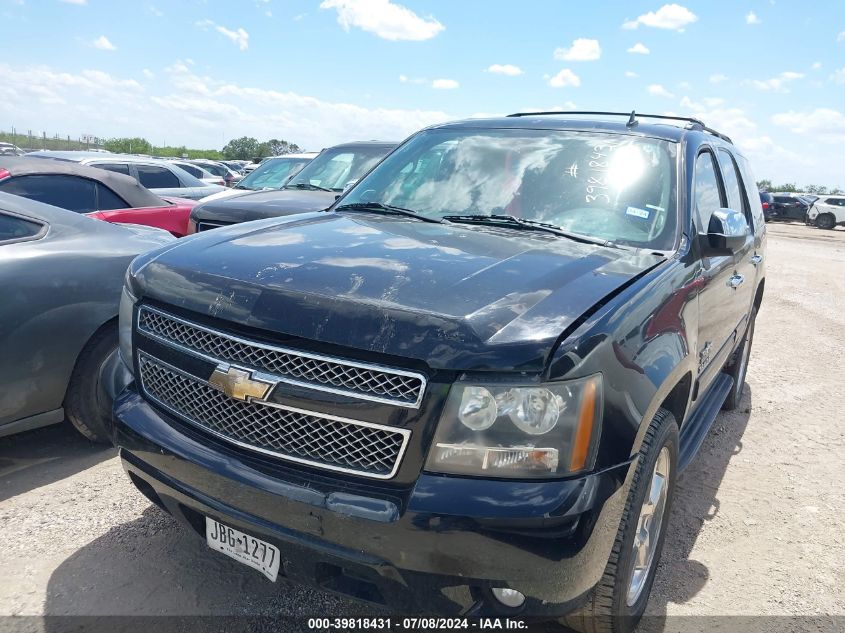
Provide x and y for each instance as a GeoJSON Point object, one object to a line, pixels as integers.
{"type": "Point", "coordinates": [632, 116]}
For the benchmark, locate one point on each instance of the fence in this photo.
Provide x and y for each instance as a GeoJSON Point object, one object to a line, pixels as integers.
{"type": "Point", "coordinates": [31, 141]}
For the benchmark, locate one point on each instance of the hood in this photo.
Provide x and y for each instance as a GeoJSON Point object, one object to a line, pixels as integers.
{"type": "Point", "coordinates": [258, 205]}
{"type": "Point", "coordinates": [453, 296]}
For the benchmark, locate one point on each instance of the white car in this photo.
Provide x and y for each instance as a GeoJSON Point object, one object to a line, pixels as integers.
{"type": "Point", "coordinates": [827, 212]}
{"type": "Point", "coordinates": [272, 173]}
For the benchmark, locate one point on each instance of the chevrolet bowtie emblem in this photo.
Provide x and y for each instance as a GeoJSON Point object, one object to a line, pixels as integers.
{"type": "Point", "coordinates": [239, 383]}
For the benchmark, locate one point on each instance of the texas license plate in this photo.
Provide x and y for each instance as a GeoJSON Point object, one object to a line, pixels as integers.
{"type": "Point", "coordinates": [242, 547]}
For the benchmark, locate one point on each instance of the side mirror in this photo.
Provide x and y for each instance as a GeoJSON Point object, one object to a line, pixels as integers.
{"type": "Point", "coordinates": [727, 232]}
{"type": "Point", "coordinates": [349, 185]}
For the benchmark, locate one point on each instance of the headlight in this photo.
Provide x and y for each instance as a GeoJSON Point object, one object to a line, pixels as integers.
{"type": "Point", "coordinates": [510, 430]}
{"type": "Point", "coordinates": [127, 306]}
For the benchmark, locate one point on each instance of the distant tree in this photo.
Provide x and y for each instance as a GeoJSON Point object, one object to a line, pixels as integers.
{"type": "Point", "coordinates": [277, 147]}
{"type": "Point", "coordinates": [787, 188]}
{"type": "Point", "coordinates": [764, 185]}
{"type": "Point", "coordinates": [819, 189]}
{"type": "Point", "coordinates": [243, 148]}
{"type": "Point", "coordinates": [836, 191]}
{"type": "Point", "coordinates": [134, 145]}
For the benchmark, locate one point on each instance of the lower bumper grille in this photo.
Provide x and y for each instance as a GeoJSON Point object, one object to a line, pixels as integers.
{"type": "Point", "coordinates": [294, 435]}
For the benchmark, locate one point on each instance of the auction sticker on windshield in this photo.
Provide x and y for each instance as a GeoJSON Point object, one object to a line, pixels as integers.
{"type": "Point", "coordinates": [242, 547]}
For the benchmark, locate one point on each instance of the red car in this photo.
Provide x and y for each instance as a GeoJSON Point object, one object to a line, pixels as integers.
{"type": "Point", "coordinates": [98, 193]}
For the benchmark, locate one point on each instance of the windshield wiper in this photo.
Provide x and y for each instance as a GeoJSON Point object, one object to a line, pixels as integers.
{"type": "Point", "coordinates": [530, 225]}
{"type": "Point", "coordinates": [378, 207]}
{"type": "Point", "coordinates": [307, 185]}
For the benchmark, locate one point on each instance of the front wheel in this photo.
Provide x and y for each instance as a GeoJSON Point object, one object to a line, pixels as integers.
{"type": "Point", "coordinates": [87, 404]}
{"type": "Point", "coordinates": [825, 221]}
{"type": "Point", "coordinates": [619, 600]}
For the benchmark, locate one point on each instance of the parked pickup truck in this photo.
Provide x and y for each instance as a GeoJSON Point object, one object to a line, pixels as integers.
{"type": "Point", "coordinates": [469, 387]}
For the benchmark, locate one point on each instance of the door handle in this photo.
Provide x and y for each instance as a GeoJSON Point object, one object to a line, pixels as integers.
{"type": "Point", "coordinates": [736, 281]}
{"type": "Point", "coordinates": [756, 259]}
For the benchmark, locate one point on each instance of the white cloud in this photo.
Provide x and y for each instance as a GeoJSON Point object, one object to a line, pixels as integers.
{"type": "Point", "coordinates": [565, 78]}
{"type": "Point", "coordinates": [184, 107]}
{"type": "Point", "coordinates": [751, 18]}
{"type": "Point", "coordinates": [148, 73]}
{"type": "Point", "coordinates": [505, 69]}
{"type": "Point", "coordinates": [383, 18]}
{"type": "Point", "coordinates": [631, 74]}
{"type": "Point", "coordinates": [838, 76]}
{"type": "Point", "coordinates": [670, 16]}
{"type": "Point", "coordinates": [582, 50]}
{"type": "Point", "coordinates": [155, 11]}
{"type": "Point", "coordinates": [103, 44]}
{"type": "Point", "coordinates": [823, 124]}
{"type": "Point", "coordinates": [238, 37]}
{"type": "Point", "coordinates": [445, 84]}
{"type": "Point", "coordinates": [659, 91]}
{"type": "Point", "coordinates": [816, 66]}
{"type": "Point", "coordinates": [412, 80]}
{"type": "Point", "coordinates": [841, 37]}
{"type": "Point", "coordinates": [718, 78]}
{"type": "Point", "coordinates": [777, 84]}
{"type": "Point", "coordinates": [639, 49]}
{"type": "Point", "coordinates": [79, 3]}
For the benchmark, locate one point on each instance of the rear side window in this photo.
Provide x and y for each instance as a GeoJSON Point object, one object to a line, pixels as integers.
{"type": "Point", "coordinates": [68, 192]}
{"type": "Point", "coordinates": [707, 196]}
{"type": "Point", "coordinates": [108, 199]}
{"type": "Point", "coordinates": [13, 228]}
{"type": "Point", "coordinates": [734, 186]}
{"type": "Point", "coordinates": [120, 168]}
{"type": "Point", "coordinates": [155, 177]}
{"type": "Point", "coordinates": [191, 169]}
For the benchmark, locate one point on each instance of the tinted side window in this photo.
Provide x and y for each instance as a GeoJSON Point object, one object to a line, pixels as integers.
{"type": "Point", "coordinates": [108, 199]}
{"type": "Point", "coordinates": [731, 180]}
{"type": "Point", "coordinates": [782, 199]}
{"type": "Point", "coordinates": [155, 177]}
{"type": "Point", "coordinates": [191, 169]}
{"type": "Point", "coordinates": [749, 182]}
{"type": "Point", "coordinates": [707, 196]}
{"type": "Point", "coordinates": [118, 167]}
{"type": "Point", "coordinates": [734, 186]}
{"type": "Point", "coordinates": [14, 228]}
{"type": "Point", "coordinates": [68, 192]}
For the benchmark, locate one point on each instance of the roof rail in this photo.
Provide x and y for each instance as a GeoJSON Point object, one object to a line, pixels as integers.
{"type": "Point", "coordinates": [632, 117]}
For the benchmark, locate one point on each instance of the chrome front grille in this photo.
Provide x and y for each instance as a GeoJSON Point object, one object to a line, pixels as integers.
{"type": "Point", "coordinates": [290, 434]}
{"type": "Point", "coordinates": [368, 382]}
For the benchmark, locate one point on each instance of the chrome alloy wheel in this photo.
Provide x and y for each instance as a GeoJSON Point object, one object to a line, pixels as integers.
{"type": "Point", "coordinates": [649, 525]}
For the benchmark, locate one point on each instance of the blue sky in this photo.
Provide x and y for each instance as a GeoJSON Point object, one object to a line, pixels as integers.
{"type": "Point", "coordinates": [770, 73]}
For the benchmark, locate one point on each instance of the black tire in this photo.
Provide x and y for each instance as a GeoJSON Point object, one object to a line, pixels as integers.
{"type": "Point", "coordinates": [607, 609]}
{"type": "Point", "coordinates": [738, 366]}
{"type": "Point", "coordinates": [87, 405]}
{"type": "Point", "coordinates": [826, 221]}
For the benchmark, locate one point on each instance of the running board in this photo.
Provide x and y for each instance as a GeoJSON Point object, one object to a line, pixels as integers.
{"type": "Point", "coordinates": [697, 427]}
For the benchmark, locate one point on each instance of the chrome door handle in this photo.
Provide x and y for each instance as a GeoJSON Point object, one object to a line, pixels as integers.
{"type": "Point", "coordinates": [756, 259]}
{"type": "Point", "coordinates": [736, 281]}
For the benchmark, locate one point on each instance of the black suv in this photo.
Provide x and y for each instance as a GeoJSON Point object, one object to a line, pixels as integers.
{"type": "Point", "coordinates": [788, 206]}
{"type": "Point", "coordinates": [469, 387]}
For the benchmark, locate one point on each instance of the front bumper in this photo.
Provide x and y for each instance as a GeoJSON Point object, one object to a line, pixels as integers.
{"type": "Point", "coordinates": [438, 547]}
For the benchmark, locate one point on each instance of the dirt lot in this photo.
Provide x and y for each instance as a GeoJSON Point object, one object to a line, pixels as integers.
{"type": "Point", "coordinates": [757, 528]}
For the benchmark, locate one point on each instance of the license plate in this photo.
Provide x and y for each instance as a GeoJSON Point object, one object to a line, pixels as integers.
{"type": "Point", "coordinates": [242, 547]}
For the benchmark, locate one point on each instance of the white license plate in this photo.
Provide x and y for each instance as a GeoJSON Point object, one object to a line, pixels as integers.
{"type": "Point", "coordinates": [242, 547]}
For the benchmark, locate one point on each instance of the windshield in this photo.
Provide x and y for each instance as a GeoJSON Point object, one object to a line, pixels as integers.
{"type": "Point", "coordinates": [612, 187]}
{"type": "Point", "coordinates": [272, 173]}
{"type": "Point", "coordinates": [333, 168]}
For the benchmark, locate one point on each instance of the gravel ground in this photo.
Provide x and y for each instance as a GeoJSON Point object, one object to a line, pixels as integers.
{"type": "Point", "coordinates": [757, 527]}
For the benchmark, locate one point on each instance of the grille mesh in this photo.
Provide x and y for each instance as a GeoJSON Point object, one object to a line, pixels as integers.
{"type": "Point", "coordinates": [373, 383]}
{"type": "Point", "coordinates": [288, 434]}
